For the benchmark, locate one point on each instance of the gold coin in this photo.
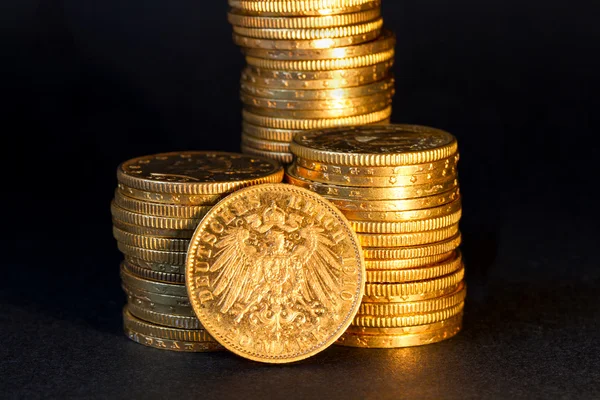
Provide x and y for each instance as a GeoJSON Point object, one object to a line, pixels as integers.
{"type": "Point", "coordinates": [239, 19]}
{"type": "Point", "coordinates": [275, 273]}
{"type": "Point", "coordinates": [318, 64]}
{"type": "Point", "coordinates": [169, 320]}
{"type": "Point", "coordinates": [157, 232]}
{"type": "Point", "coordinates": [382, 44]}
{"type": "Point", "coordinates": [170, 198]}
{"type": "Point", "coordinates": [404, 216]}
{"type": "Point", "coordinates": [152, 221]}
{"type": "Point", "coordinates": [415, 274]}
{"type": "Point", "coordinates": [172, 345]}
{"type": "Point", "coordinates": [151, 275]}
{"type": "Point", "coordinates": [411, 298]}
{"type": "Point", "coordinates": [307, 34]}
{"type": "Point", "coordinates": [395, 205]}
{"type": "Point", "coordinates": [451, 327]}
{"type": "Point", "coordinates": [399, 253]}
{"type": "Point", "coordinates": [414, 288]}
{"type": "Point", "coordinates": [396, 321]}
{"type": "Point", "coordinates": [269, 79]}
{"type": "Point", "coordinates": [150, 242]}
{"type": "Point", "coordinates": [406, 239]}
{"type": "Point", "coordinates": [301, 7]}
{"type": "Point", "coordinates": [194, 173]}
{"type": "Point", "coordinates": [170, 289]}
{"type": "Point", "coordinates": [373, 181]}
{"type": "Point", "coordinates": [280, 95]}
{"type": "Point", "coordinates": [159, 302]}
{"type": "Point", "coordinates": [407, 308]}
{"type": "Point", "coordinates": [190, 335]}
{"type": "Point", "coordinates": [290, 45]}
{"type": "Point", "coordinates": [406, 263]}
{"type": "Point", "coordinates": [304, 124]}
{"type": "Point", "coordinates": [268, 145]}
{"type": "Point", "coordinates": [406, 226]}
{"type": "Point", "coordinates": [378, 102]}
{"type": "Point", "coordinates": [276, 105]}
{"type": "Point", "coordinates": [448, 164]}
{"type": "Point", "coordinates": [378, 146]}
{"type": "Point", "coordinates": [160, 210]}
{"type": "Point", "coordinates": [372, 193]}
{"type": "Point", "coordinates": [154, 266]}
{"type": "Point", "coordinates": [284, 158]}
{"type": "Point", "coordinates": [165, 257]}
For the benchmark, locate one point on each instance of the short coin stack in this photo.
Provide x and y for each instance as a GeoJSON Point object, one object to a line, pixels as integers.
{"type": "Point", "coordinates": [312, 64]}
{"type": "Point", "coordinates": [397, 185]}
{"type": "Point", "coordinates": [159, 202]}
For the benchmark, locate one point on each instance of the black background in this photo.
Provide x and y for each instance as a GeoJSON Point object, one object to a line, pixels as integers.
{"type": "Point", "coordinates": [90, 84]}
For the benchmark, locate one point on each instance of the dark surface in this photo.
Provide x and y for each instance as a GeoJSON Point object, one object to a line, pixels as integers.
{"type": "Point", "coordinates": [90, 84]}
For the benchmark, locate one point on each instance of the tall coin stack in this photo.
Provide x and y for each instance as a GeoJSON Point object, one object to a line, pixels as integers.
{"type": "Point", "coordinates": [397, 185]}
{"type": "Point", "coordinates": [158, 204]}
{"type": "Point", "coordinates": [312, 64]}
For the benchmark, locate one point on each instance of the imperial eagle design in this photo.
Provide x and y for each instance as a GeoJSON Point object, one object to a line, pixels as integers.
{"type": "Point", "coordinates": [275, 273]}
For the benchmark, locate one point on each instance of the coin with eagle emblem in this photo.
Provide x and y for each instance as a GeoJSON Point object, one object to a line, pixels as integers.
{"type": "Point", "coordinates": [275, 273]}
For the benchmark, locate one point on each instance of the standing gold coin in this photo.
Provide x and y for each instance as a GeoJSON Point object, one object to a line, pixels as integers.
{"type": "Point", "coordinates": [197, 173]}
{"type": "Point", "coordinates": [377, 146]}
{"type": "Point", "coordinates": [275, 273]}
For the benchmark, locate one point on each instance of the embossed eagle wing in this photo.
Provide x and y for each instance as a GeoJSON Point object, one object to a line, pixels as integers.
{"type": "Point", "coordinates": [236, 264]}
{"type": "Point", "coordinates": [319, 267]}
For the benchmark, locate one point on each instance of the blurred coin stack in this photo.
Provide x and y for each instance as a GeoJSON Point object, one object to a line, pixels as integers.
{"type": "Point", "coordinates": [397, 185]}
{"type": "Point", "coordinates": [158, 204]}
{"type": "Point", "coordinates": [311, 64]}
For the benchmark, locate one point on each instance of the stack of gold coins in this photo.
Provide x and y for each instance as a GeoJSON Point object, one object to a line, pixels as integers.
{"type": "Point", "coordinates": [158, 204]}
{"type": "Point", "coordinates": [397, 185]}
{"type": "Point", "coordinates": [312, 64]}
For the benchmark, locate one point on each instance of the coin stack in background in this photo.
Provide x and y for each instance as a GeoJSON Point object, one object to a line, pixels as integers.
{"type": "Point", "coordinates": [397, 185]}
{"type": "Point", "coordinates": [311, 64]}
{"type": "Point", "coordinates": [158, 204]}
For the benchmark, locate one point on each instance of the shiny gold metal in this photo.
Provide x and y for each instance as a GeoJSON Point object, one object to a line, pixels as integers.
{"type": "Point", "coordinates": [315, 80]}
{"type": "Point", "coordinates": [385, 43]}
{"type": "Point", "coordinates": [284, 158]}
{"type": "Point", "coordinates": [167, 257]}
{"type": "Point", "coordinates": [152, 221]}
{"type": "Point", "coordinates": [450, 328]}
{"type": "Point", "coordinates": [197, 173]}
{"type": "Point", "coordinates": [168, 320]}
{"type": "Point", "coordinates": [319, 64]}
{"type": "Point", "coordinates": [307, 34]}
{"type": "Point", "coordinates": [406, 226]}
{"type": "Point", "coordinates": [156, 232]}
{"type": "Point", "coordinates": [134, 282]}
{"type": "Point", "coordinates": [317, 123]}
{"type": "Point", "coordinates": [238, 19]}
{"type": "Point", "coordinates": [172, 345]}
{"type": "Point", "coordinates": [149, 274]}
{"type": "Point", "coordinates": [415, 274]}
{"type": "Point", "coordinates": [414, 288]}
{"type": "Point", "coordinates": [161, 303]}
{"type": "Point", "coordinates": [395, 205]}
{"type": "Point", "coordinates": [274, 273]}
{"type": "Point", "coordinates": [291, 45]}
{"type": "Point", "coordinates": [406, 263]}
{"type": "Point", "coordinates": [372, 193]}
{"type": "Point", "coordinates": [160, 210]}
{"type": "Point", "coordinates": [274, 105]}
{"type": "Point", "coordinates": [404, 216]}
{"type": "Point", "coordinates": [170, 198]}
{"type": "Point", "coordinates": [150, 242]}
{"type": "Point", "coordinates": [302, 7]}
{"type": "Point", "coordinates": [379, 102]}
{"type": "Point", "coordinates": [382, 86]}
{"type": "Point", "coordinates": [154, 266]}
{"type": "Point", "coordinates": [163, 332]}
{"type": "Point", "coordinates": [407, 239]}
{"type": "Point", "coordinates": [399, 253]}
{"type": "Point", "coordinates": [418, 297]}
{"type": "Point", "coordinates": [267, 145]}
{"type": "Point", "coordinates": [376, 145]}
{"type": "Point", "coordinates": [396, 321]}
{"type": "Point", "coordinates": [407, 308]}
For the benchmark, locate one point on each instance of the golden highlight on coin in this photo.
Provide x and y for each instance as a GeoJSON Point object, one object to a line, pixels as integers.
{"type": "Point", "coordinates": [275, 273]}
